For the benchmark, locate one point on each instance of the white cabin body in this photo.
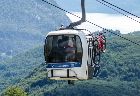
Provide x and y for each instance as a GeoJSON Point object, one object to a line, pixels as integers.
{"type": "Point", "coordinates": [66, 69]}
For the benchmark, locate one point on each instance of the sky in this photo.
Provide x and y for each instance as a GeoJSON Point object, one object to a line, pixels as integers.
{"type": "Point", "coordinates": [103, 16]}
{"type": "Point", "coordinates": [109, 21]}
{"type": "Point", "coordinates": [95, 7]}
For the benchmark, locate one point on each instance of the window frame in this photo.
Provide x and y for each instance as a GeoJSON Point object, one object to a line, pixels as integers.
{"type": "Point", "coordinates": [75, 36]}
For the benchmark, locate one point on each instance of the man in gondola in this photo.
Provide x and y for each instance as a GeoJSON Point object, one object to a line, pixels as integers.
{"type": "Point", "coordinates": [69, 49]}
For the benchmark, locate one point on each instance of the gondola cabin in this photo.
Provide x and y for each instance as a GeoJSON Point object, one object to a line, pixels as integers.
{"type": "Point", "coordinates": [68, 55]}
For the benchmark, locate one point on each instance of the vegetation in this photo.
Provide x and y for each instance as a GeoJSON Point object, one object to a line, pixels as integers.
{"type": "Point", "coordinates": [122, 59]}
{"type": "Point", "coordinates": [20, 66]}
{"type": "Point", "coordinates": [120, 73]}
{"type": "Point", "coordinates": [24, 24]}
{"type": "Point", "coordinates": [15, 91]}
{"type": "Point", "coordinates": [96, 88]}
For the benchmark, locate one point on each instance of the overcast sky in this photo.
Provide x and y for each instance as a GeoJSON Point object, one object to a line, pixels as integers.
{"type": "Point", "coordinates": [95, 7]}
{"type": "Point", "coordinates": [104, 16]}
{"type": "Point", "coordinates": [109, 21]}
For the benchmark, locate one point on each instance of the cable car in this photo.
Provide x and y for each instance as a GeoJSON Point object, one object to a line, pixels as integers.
{"type": "Point", "coordinates": [70, 54]}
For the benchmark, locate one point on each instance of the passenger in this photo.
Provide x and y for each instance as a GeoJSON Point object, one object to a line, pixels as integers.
{"type": "Point", "coordinates": [60, 43]}
{"type": "Point", "coordinates": [70, 46]}
{"type": "Point", "coordinates": [57, 54]}
{"type": "Point", "coordinates": [60, 50]}
{"type": "Point", "coordinates": [101, 42]}
{"type": "Point", "coordinates": [69, 49]}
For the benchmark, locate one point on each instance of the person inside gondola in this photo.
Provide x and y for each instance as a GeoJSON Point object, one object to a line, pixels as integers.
{"type": "Point", "coordinates": [60, 50]}
{"type": "Point", "coordinates": [69, 50]}
{"type": "Point", "coordinates": [57, 52]}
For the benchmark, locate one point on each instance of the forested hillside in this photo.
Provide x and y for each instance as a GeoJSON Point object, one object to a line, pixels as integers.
{"type": "Point", "coordinates": [17, 68]}
{"type": "Point", "coordinates": [119, 76]}
{"type": "Point", "coordinates": [24, 24]}
{"type": "Point", "coordinates": [122, 59]}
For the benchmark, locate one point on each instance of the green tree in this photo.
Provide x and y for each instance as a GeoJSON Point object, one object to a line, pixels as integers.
{"type": "Point", "coordinates": [15, 91]}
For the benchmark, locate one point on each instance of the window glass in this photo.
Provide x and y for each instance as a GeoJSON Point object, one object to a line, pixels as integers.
{"type": "Point", "coordinates": [63, 48]}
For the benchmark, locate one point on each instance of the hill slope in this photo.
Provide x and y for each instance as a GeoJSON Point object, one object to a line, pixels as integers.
{"type": "Point", "coordinates": [119, 74]}
{"type": "Point", "coordinates": [24, 23]}
{"type": "Point", "coordinates": [13, 70]}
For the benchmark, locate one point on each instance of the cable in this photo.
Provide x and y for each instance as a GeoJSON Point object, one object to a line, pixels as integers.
{"type": "Point", "coordinates": [113, 33]}
{"type": "Point", "coordinates": [91, 23]}
{"type": "Point", "coordinates": [118, 11]}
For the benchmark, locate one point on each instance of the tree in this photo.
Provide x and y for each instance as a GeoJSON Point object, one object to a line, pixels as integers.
{"type": "Point", "coordinates": [15, 91]}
